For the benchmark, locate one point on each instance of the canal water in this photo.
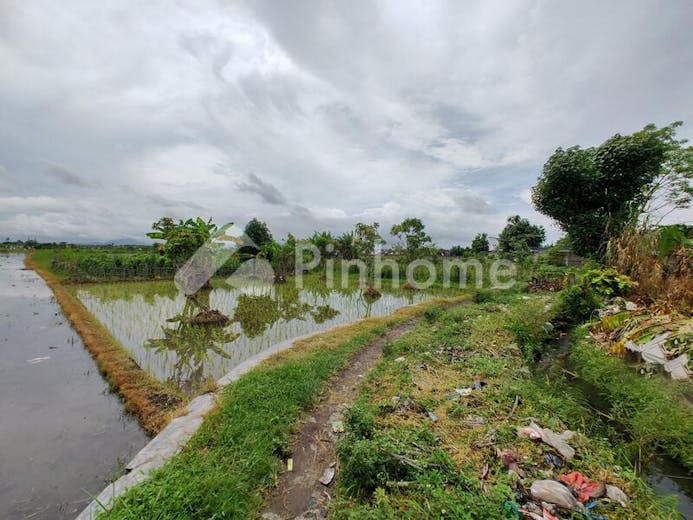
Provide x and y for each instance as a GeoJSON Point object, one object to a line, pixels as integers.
{"type": "Point", "coordinates": [63, 435]}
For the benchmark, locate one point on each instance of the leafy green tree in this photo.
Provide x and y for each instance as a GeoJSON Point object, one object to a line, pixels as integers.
{"type": "Point", "coordinates": [458, 251]}
{"type": "Point", "coordinates": [480, 243]}
{"type": "Point", "coordinates": [282, 257]}
{"type": "Point", "coordinates": [366, 237]}
{"type": "Point", "coordinates": [258, 232]}
{"type": "Point", "coordinates": [181, 240]}
{"type": "Point", "coordinates": [346, 245]}
{"type": "Point", "coordinates": [518, 236]}
{"type": "Point", "coordinates": [325, 242]}
{"type": "Point", "coordinates": [413, 240]}
{"type": "Point", "coordinates": [594, 193]}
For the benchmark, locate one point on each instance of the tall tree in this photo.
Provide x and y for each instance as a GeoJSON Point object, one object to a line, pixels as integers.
{"type": "Point", "coordinates": [594, 193]}
{"type": "Point", "coordinates": [366, 237]}
{"type": "Point", "coordinates": [258, 232]}
{"type": "Point", "coordinates": [518, 236]}
{"type": "Point", "coordinates": [480, 243]}
{"type": "Point", "coordinates": [412, 238]}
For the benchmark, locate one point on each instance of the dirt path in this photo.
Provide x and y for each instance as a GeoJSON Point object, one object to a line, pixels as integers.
{"type": "Point", "coordinates": [299, 493]}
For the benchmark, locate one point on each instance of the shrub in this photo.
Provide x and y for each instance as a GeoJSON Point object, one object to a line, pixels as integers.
{"type": "Point", "coordinates": [575, 304]}
{"type": "Point", "coordinates": [609, 283]}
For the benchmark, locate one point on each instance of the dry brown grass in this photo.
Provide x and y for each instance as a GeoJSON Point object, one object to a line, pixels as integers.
{"type": "Point", "coordinates": [666, 283]}
{"type": "Point", "coordinates": [149, 400]}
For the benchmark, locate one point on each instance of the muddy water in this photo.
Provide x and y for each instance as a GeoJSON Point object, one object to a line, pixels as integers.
{"type": "Point", "coordinates": [153, 321]}
{"type": "Point", "coordinates": [62, 434]}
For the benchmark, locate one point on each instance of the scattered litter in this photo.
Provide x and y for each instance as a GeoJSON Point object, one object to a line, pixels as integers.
{"type": "Point", "coordinates": [327, 476]}
{"type": "Point", "coordinates": [474, 420]}
{"type": "Point", "coordinates": [652, 351]}
{"type": "Point", "coordinates": [433, 417]}
{"type": "Point", "coordinates": [678, 368]}
{"type": "Point", "coordinates": [631, 306]}
{"type": "Point", "coordinates": [37, 360]}
{"type": "Point", "coordinates": [553, 439]}
{"type": "Point", "coordinates": [509, 462]}
{"type": "Point", "coordinates": [400, 359]}
{"type": "Point", "coordinates": [338, 426]}
{"type": "Point", "coordinates": [553, 460]}
{"type": "Point", "coordinates": [554, 493]}
{"type": "Point", "coordinates": [478, 385]}
{"type": "Point", "coordinates": [463, 391]}
{"type": "Point", "coordinates": [615, 493]}
{"type": "Point", "coordinates": [290, 465]}
{"type": "Point", "coordinates": [583, 487]}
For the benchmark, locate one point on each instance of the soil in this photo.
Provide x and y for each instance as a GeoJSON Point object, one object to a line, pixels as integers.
{"type": "Point", "coordinates": [299, 493]}
{"type": "Point", "coordinates": [209, 317]}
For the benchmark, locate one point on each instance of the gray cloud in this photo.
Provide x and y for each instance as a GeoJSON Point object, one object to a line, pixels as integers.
{"type": "Point", "coordinates": [368, 111]}
{"type": "Point", "coordinates": [267, 191]}
{"type": "Point", "coordinates": [64, 174]}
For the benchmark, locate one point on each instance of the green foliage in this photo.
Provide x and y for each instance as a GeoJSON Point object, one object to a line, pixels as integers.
{"type": "Point", "coordinates": [258, 232]}
{"type": "Point", "coordinates": [480, 243]}
{"type": "Point", "coordinates": [346, 245]}
{"type": "Point", "coordinates": [183, 239]}
{"type": "Point", "coordinates": [531, 327]}
{"type": "Point", "coordinates": [519, 236]}
{"type": "Point", "coordinates": [459, 251]}
{"type": "Point", "coordinates": [608, 283]}
{"type": "Point", "coordinates": [366, 237]}
{"type": "Point", "coordinates": [593, 193]}
{"type": "Point", "coordinates": [325, 242]}
{"type": "Point", "coordinates": [86, 265]}
{"type": "Point", "coordinates": [413, 240]}
{"type": "Point", "coordinates": [652, 411]}
{"type": "Point", "coordinates": [672, 238]}
{"type": "Point", "coordinates": [575, 304]}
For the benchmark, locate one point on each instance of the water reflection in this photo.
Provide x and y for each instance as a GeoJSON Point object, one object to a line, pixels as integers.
{"type": "Point", "coordinates": [199, 333]}
{"type": "Point", "coordinates": [163, 331]}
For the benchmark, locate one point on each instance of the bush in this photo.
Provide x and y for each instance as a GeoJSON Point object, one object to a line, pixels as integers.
{"type": "Point", "coordinates": [531, 327]}
{"type": "Point", "coordinates": [608, 283]}
{"type": "Point", "coordinates": [575, 304]}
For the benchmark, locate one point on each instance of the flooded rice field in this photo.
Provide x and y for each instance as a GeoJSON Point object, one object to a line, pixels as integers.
{"type": "Point", "coordinates": [62, 434]}
{"type": "Point", "coordinates": [161, 328]}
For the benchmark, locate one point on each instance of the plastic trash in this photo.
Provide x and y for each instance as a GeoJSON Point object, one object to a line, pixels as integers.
{"type": "Point", "coordinates": [555, 493]}
{"type": "Point", "coordinates": [583, 486]}
{"type": "Point", "coordinates": [553, 439]}
{"type": "Point", "coordinates": [678, 368]}
{"type": "Point", "coordinates": [615, 493]}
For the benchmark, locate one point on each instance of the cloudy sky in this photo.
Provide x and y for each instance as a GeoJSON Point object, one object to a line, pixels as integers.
{"type": "Point", "coordinates": [316, 115]}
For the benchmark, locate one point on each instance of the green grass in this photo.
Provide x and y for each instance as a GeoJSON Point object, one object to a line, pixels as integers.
{"type": "Point", "coordinates": [449, 350]}
{"type": "Point", "coordinates": [223, 471]}
{"type": "Point", "coordinates": [650, 410]}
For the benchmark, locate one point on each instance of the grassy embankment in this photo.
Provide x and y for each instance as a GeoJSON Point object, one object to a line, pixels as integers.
{"type": "Point", "coordinates": [234, 457]}
{"type": "Point", "coordinates": [650, 410]}
{"type": "Point", "coordinates": [399, 461]}
{"type": "Point", "coordinates": [152, 402]}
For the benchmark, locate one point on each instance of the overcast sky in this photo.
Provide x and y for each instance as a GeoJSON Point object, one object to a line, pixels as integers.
{"type": "Point", "coordinates": [316, 115]}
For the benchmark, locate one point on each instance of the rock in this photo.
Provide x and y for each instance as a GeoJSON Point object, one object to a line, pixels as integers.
{"type": "Point", "coordinates": [555, 493]}
{"type": "Point", "coordinates": [327, 476]}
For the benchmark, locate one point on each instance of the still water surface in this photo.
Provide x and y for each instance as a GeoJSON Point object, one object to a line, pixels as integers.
{"type": "Point", "coordinates": [62, 434]}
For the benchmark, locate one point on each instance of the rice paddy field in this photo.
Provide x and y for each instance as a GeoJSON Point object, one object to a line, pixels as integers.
{"type": "Point", "coordinates": [155, 322]}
